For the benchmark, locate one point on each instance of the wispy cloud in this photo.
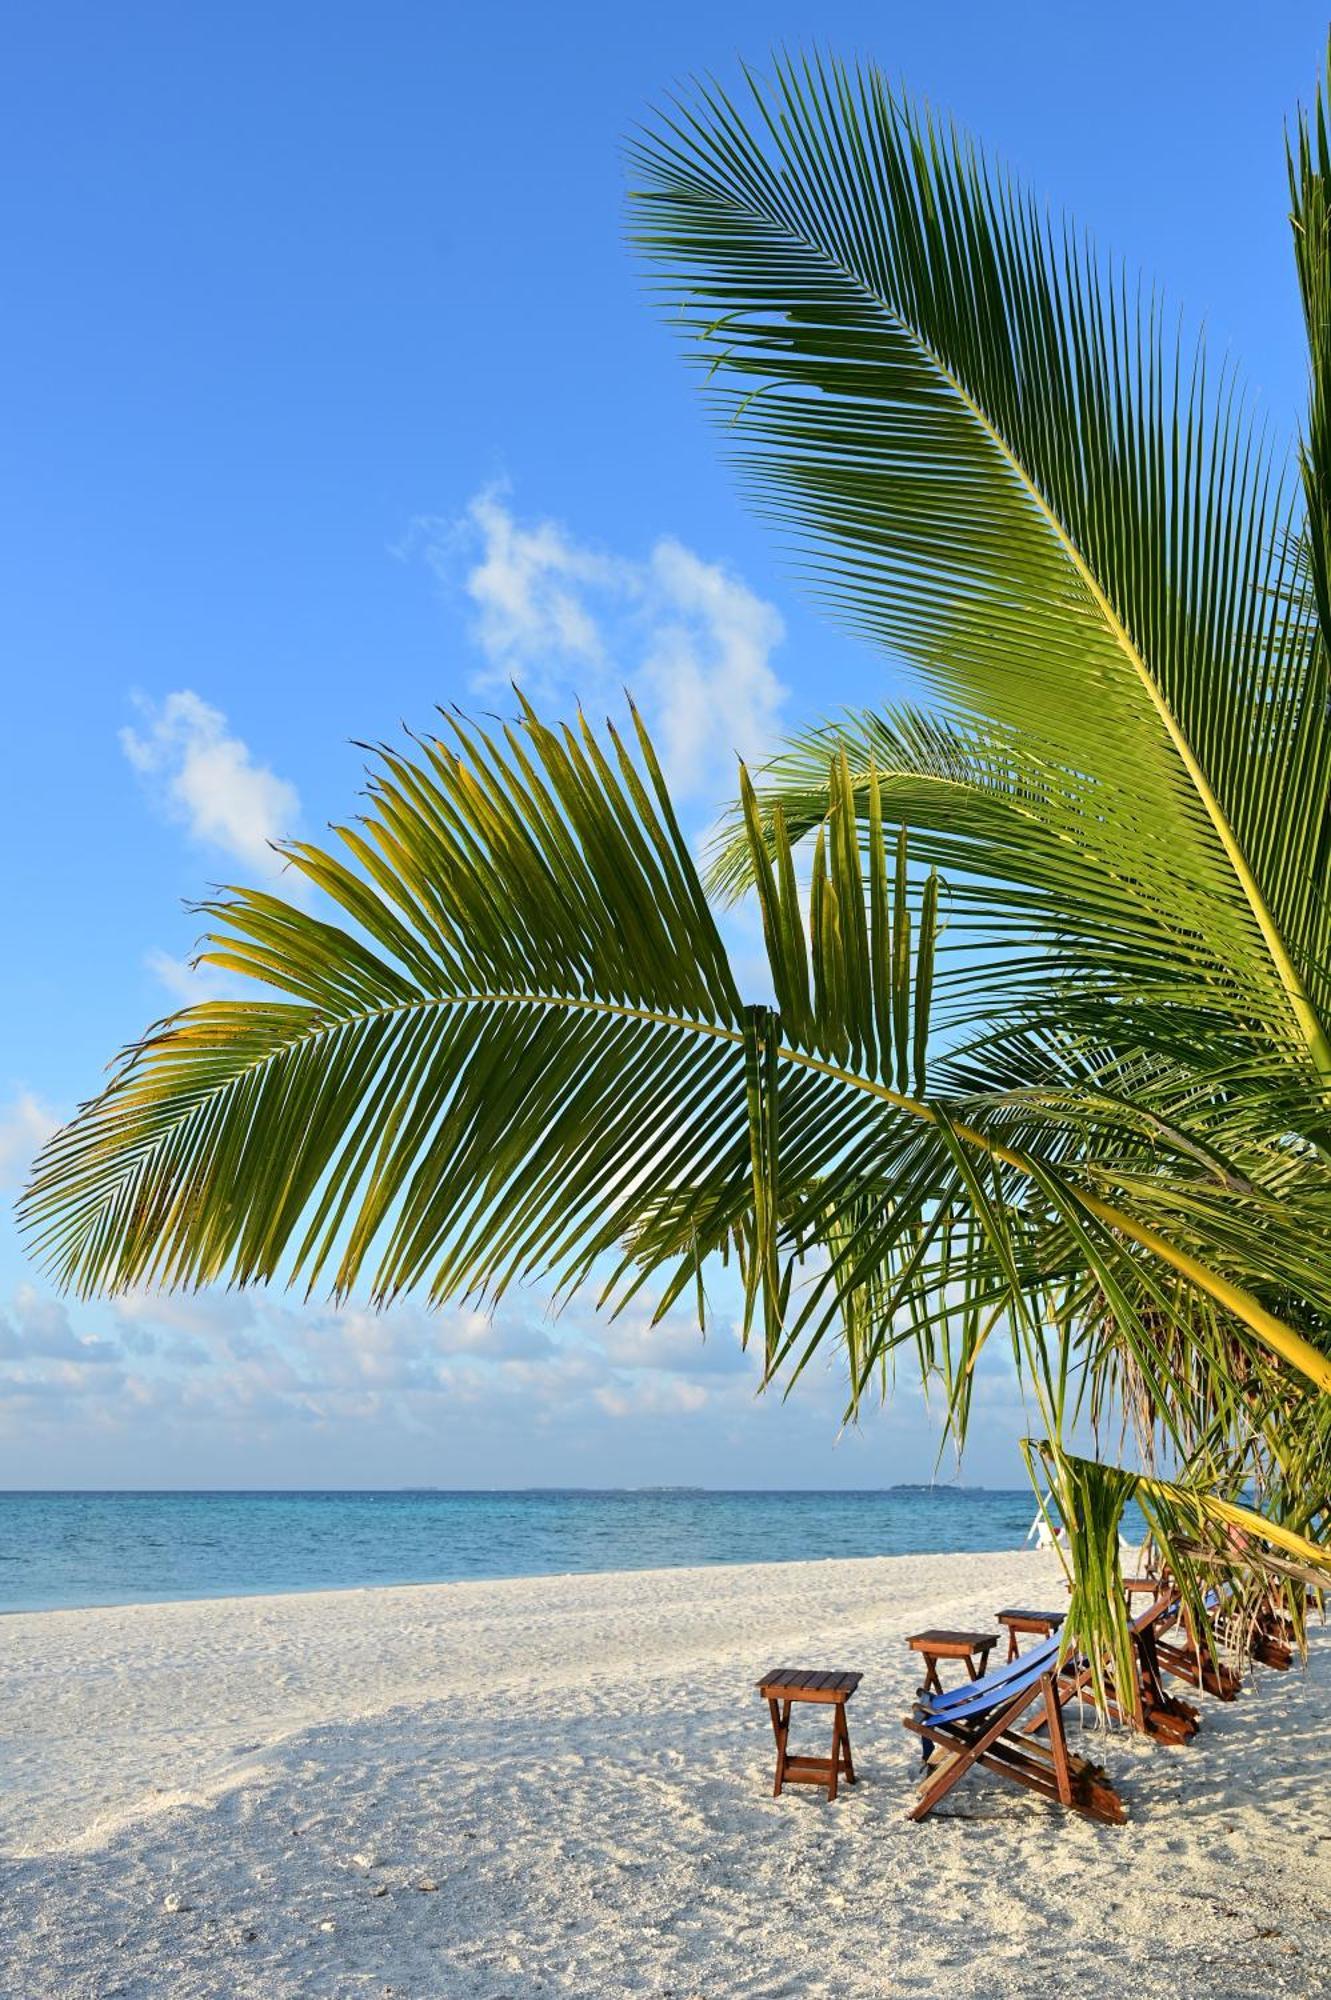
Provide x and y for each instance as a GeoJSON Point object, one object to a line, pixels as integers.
{"type": "Point", "coordinates": [207, 780]}
{"type": "Point", "coordinates": [25, 1126]}
{"type": "Point", "coordinates": [571, 622]}
{"type": "Point", "coordinates": [713, 693]}
{"type": "Point", "coordinates": [323, 1363]}
{"type": "Point", "coordinates": [652, 1396]}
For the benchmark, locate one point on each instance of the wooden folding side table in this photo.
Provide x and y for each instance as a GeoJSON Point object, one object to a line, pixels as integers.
{"type": "Point", "coordinates": [784, 1686]}
{"type": "Point", "coordinates": [972, 1647]}
{"type": "Point", "coordinates": [1034, 1624]}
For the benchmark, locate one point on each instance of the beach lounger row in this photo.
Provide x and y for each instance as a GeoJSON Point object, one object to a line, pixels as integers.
{"type": "Point", "coordinates": [996, 1721]}
{"type": "Point", "coordinates": [1009, 1719]}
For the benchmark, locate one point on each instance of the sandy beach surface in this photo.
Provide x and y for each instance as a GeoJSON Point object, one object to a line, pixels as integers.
{"type": "Point", "coordinates": [563, 1786]}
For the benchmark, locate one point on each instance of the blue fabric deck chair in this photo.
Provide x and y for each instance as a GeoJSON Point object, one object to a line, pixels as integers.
{"type": "Point", "coordinates": [981, 1723]}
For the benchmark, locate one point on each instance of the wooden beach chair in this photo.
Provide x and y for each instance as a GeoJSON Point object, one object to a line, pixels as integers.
{"type": "Point", "coordinates": [1170, 1647]}
{"type": "Point", "coordinates": [1181, 1652]}
{"type": "Point", "coordinates": [1268, 1638]}
{"type": "Point", "coordinates": [985, 1723]}
{"type": "Point", "coordinates": [1268, 1635]}
{"type": "Point", "coordinates": [1156, 1712]}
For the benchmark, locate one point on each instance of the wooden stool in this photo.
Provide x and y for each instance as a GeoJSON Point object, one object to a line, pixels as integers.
{"type": "Point", "coordinates": [784, 1685]}
{"type": "Point", "coordinates": [1039, 1625]}
{"type": "Point", "coordinates": [972, 1647]}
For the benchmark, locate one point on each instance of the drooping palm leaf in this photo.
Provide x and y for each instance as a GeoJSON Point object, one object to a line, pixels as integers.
{"type": "Point", "coordinates": [524, 1049]}
{"type": "Point", "coordinates": [520, 1048]}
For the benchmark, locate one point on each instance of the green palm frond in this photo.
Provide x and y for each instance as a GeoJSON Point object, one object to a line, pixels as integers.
{"type": "Point", "coordinates": [1001, 469]}
{"type": "Point", "coordinates": [524, 1052]}
{"type": "Point", "coordinates": [521, 1050]}
{"type": "Point", "coordinates": [1309, 163]}
{"type": "Point", "coordinates": [1051, 926]}
{"type": "Point", "coordinates": [526, 984]}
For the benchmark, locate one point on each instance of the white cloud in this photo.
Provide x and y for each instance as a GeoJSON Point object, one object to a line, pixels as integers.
{"type": "Point", "coordinates": [675, 1346]}
{"type": "Point", "coordinates": [713, 694]}
{"type": "Point", "coordinates": [25, 1126]}
{"type": "Point", "coordinates": [207, 1315]}
{"type": "Point", "coordinates": [569, 622]}
{"type": "Point", "coordinates": [321, 1363]}
{"type": "Point", "coordinates": [207, 779]}
{"type": "Point", "coordinates": [178, 976]}
{"type": "Point", "coordinates": [529, 590]}
{"type": "Point", "coordinates": [228, 1387]}
{"type": "Point", "coordinates": [654, 1396]}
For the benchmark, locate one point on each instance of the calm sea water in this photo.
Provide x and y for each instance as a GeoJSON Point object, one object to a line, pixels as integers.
{"type": "Point", "coordinates": [131, 1548]}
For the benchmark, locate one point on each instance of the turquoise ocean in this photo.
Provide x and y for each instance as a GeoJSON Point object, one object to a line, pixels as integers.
{"type": "Point", "coordinates": [64, 1549]}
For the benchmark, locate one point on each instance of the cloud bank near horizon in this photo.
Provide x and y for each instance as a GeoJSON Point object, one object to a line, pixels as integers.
{"type": "Point", "coordinates": [226, 1388]}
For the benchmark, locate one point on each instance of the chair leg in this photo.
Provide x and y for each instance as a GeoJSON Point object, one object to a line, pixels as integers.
{"type": "Point", "coordinates": [1058, 1742]}
{"type": "Point", "coordinates": [780, 1712]}
{"type": "Point", "coordinates": [841, 1757]}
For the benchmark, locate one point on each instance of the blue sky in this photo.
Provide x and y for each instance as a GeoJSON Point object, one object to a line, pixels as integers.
{"type": "Point", "coordinates": [332, 393]}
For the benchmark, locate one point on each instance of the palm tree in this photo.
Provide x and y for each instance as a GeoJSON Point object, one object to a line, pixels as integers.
{"type": "Point", "coordinates": [997, 466]}
{"type": "Point", "coordinates": [1049, 1054]}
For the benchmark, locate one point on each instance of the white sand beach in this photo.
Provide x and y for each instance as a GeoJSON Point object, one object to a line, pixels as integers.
{"type": "Point", "coordinates": [563, 1786]}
